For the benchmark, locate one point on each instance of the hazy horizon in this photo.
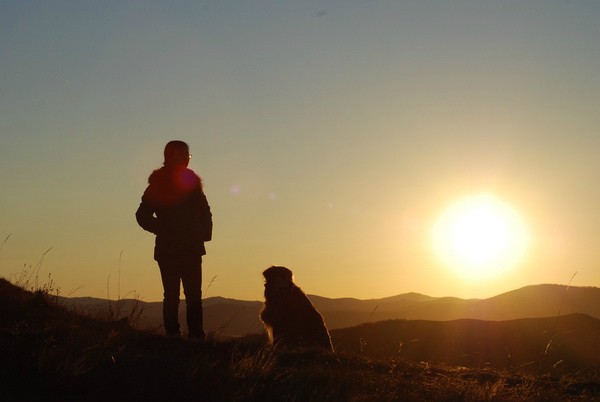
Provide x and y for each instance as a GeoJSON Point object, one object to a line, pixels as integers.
{"type": "Point", "coordinates": [330, 136]}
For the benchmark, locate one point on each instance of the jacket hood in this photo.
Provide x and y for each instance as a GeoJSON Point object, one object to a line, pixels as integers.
{"type": "Point", "coordinates": [169, 187]}
{"type": "Point", "coordinates": [183, 178]}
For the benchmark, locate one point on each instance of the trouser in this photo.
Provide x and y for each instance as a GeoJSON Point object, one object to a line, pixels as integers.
{"type": "Point", "coordinates": [187, 271]}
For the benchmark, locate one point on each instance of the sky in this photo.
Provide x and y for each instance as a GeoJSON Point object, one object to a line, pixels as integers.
{"type": "Point", "coordinates": [330, 136]}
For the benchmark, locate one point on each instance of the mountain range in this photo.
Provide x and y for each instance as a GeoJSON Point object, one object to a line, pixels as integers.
{"type": "Point", "coordinates": [231, 317]}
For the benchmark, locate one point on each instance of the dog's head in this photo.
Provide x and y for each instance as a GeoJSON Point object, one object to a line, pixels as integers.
{"type": "Point", "coordinates": [278, 277]}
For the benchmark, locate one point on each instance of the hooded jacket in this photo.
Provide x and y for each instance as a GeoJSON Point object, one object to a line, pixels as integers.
{"type": "Point", "coordinates": [176, 210]}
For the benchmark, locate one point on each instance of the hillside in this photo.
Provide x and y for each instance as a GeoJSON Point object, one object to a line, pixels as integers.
{"type": "Point", "coordinates": [51, 353]}
{"type": "Point", "coordinates": [569, 341]}
{"type": "Point", "coordinates": [232, 317]}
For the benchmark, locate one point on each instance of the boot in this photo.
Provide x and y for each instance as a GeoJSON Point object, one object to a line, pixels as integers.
{"type": "Point", "coordinates": [195, 322]}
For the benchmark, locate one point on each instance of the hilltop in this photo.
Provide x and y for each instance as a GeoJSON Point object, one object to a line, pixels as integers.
{"type": "Point", "coordinates": [52, 353]}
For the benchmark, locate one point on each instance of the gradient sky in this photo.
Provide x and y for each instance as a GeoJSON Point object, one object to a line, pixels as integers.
{"type": "Point", "coordinates": [330, 136]}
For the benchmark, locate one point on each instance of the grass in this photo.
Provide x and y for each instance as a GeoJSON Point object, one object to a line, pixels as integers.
{"type": "Point", "coordinates": [51, 353]}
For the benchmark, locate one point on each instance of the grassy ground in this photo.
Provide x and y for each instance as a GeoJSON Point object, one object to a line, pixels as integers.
{"type": "Point", "coordinates": [50, 353]}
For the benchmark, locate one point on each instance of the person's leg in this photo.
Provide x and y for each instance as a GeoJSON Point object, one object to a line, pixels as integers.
{"type": "Point", "coordinates": [191, 277]}
{"type": "Point", "coordinates": [170, 279]}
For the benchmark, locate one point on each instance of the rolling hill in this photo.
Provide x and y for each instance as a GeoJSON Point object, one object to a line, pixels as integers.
{"type": "Point", "coordinates": [50, 352]}
{"type": "Point", "coordinates": [570, 340]}
{"type": "Point", "coordinates": [230, 317]}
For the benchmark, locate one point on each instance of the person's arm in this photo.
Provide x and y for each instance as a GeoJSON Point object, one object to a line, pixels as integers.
{"type": "Point", "coordinates": [145, 217]}
{"type": "Point", "coordinates": [207, 219]}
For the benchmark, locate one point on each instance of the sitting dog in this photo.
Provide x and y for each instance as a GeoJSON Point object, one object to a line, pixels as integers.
{"type": "Point", "coordinates": [289, 317]}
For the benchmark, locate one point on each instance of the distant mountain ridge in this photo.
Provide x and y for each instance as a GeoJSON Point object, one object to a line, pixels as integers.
{"type": "Point", "coordinates": [231, 317]}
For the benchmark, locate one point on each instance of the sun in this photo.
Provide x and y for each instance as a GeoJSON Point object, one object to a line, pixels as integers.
{"type": "Point", "coordinates": [480, 237]}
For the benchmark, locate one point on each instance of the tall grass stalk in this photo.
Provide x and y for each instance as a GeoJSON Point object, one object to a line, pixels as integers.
{"type": "Point", "coordinates": [115, 310]}
{"type": "Point", "coordinates": [36, 270]}
{"type": "Point", "coordinates": [24, 278]}
{"type": "Point", "coordinates": [562, 303]}
{"type": "Point", "coordinates": [372, 312]}
{"type": "Point", "coordinates": [553, 332]}
{"type": "Point", "coordinates": [223, 326]}
{"type": "Point", "coordinates": [208, 286]}
{"type": "Point", "coordinates": [4, 242]}
{"type": "Point", "coordinates": [119, 278]}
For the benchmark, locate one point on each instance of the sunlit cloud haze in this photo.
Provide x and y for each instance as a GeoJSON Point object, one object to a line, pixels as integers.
{"type": "Point", "coordinates": [331, 136]}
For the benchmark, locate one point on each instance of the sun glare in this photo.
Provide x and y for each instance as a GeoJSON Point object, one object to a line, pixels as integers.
{"type": "Point", "coordinates": [480, 237]}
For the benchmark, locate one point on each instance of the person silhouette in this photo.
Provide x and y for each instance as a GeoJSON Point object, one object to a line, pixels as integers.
{"type": "Point", "coordinates": [175, 209]}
